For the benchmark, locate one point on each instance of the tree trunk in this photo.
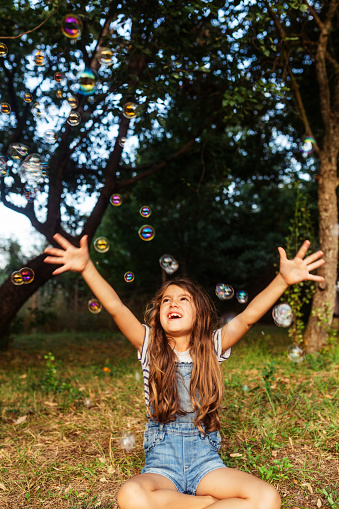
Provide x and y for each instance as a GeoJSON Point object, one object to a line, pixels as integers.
{"type": "Point", "coordinates": [323, 303]}
{"type": "Point", "coordinates": [12, 297]}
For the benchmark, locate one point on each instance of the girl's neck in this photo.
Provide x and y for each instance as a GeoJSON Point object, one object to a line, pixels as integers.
{"type": "Point", "coordinates": [180, 344]}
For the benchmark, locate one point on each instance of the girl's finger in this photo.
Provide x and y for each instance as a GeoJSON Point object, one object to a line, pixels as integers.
{"type": "Point", "coordinates": [313, 257]}
{"type": "Point", "coordinates": [303, 250]}
{"type": "Point", "coordinates": [315, 265]}
{"type": "Point", "coordinates": [54, 251]}
{"type": "Point", "coordinates": [60, 270]}
{"type": "Point", "coordinates": [54, 259]}
{"type": "Point", "coordinates": [282, 253]}
{"type": "Point", "coordinates": [83, 241]}
{"type": "Point", "coordinates": [62, 241]}
{"type": "Point", "coordinates": [311, 277]}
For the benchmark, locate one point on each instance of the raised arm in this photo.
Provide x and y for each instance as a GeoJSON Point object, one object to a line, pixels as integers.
{"type": "Point", "coordinates": [78, 260]}
{"type": "Point", "coordinates": [290, 272]}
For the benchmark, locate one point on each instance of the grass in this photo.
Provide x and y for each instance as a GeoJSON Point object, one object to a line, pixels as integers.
{"type": "Point", "coordinates": [62, 416]}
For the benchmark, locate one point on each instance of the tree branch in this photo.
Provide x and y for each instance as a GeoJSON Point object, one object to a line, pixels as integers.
{"type": "Point", "coordinates": [33, 29]}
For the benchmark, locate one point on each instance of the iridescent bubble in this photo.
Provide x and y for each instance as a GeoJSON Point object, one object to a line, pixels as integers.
{"type": "Point", "coordinates": [87, 82]}
{"type": "Point", "coordinates": [129, 277]}
{"type": "Point", "coordinates": [94, 306]}
{"type": "Point", "coordinates": [306, 146]}
{"type": "Point", "coordinates": [38, 110]}
{"type": "Point", "coordinates": [146, 232]}
{"type": "Point", "coordinates": [74, 118]}
{"type": "Point", "coordinates": [59, 93]}
{"type": "Point", "coordinates": [44, 168]}
{"type": "Point", "coordinates": [5, 108]}
{"type": "Point", "coordinates": [105, 56]}
{"type": "Point", "coordinates": [91, 99]}
{"type": "Point", "coordinates": [71, 26]}
{"type": "Point", "coordinates": [28, 98]}
{"type": "Point", "coordinates": [58, 76]}
{"type": "Point", "coordinates": [129, 110]}
{"type": "Point", "coordinates": [39, 57]}
{"type": "Point", "coordinates": [50, 136]}
{"type": "Point", "coordinates": [282, 315]}
{"type": "Point", "coordinates": [16, 278]}
{"type": "Point", "coordinates": [101, 244]}
{"type": "Point", "coordinates": [30, 169]}
{"type": "Point", "coordinates": [122, 141]}
{"type": "Point", "coordinates": [145, 211]}
{"type": "Point", "coordinates": [3, 167]}
{"type": "Point", "coordinates": [224, 291]}
{"type": "Point", "coordinates": [295, 354]}
{"type": "Point", "coordinates": [3, 49]}
{"type": "Point", "coordinates": [168, 263]}
{"type": "Point", "coordinates": [17, 151]}
{"type": "Point", "coordinates": [116, 200]}
{"type": "Point", "coordinates": [72, 101]}
{"type": "Point", "coordinates": [245, 388]}
{"type": "Point", "coordinates": [27, 275]}
{"type": "Point", "coordinates": [242, 297]}
{"type": "Point", "coordinates": [127, 441]}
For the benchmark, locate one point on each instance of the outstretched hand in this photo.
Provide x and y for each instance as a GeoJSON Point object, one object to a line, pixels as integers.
{"type": "Point", "coordinates": [298, 269]}
{"type": "Point", "coordinates": [70, 257]}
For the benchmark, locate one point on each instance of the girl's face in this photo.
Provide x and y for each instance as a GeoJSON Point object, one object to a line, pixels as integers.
{"type": "Point", "coordinates": [177, 311]}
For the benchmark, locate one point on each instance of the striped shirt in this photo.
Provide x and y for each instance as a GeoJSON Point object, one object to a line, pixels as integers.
{"type": "Point", "coordinates": [181, 356]}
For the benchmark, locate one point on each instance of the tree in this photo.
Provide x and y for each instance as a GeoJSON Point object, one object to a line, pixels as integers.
{"type": "Point", "coordinates": [294, 51]}
{"type": "Point", "coordinates": [155, 50]}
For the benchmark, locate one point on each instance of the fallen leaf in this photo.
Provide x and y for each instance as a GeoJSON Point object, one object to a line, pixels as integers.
{"type": "Point", "coordinates": [50, 403]}
{"type": "Point", "coordinates": [274, 453]}
{"type": "Point", "coordinates": [319, 504]}
{"type": "Point", "coordinates": [308, 486]}
{"type": "Point", "coordinates": [23, 376]}
{"type": "Point", "coordinates": [290, 441]}
{"type": "Point", "coordinates": [103, 479]}
{"type": "Point", "coordinates": [2, 486]}
{"type": "Point", "coordinates": [235, 455]}
{"type": "Point", "coordinates": [20, 420]}
{"type": "Point", "coordinates": [103, 460]}
{"type": "Point", "coordinates": [111, 470]}
{"type": "Point", "coordinates": [329, 396]}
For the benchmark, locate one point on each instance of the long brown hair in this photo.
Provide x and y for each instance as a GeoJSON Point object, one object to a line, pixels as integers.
{"type": "Point", "coordinates": [206, 389]}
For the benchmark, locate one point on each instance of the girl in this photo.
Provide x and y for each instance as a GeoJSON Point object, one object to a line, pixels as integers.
{"type": "Point", "coordinates": [180, 354]}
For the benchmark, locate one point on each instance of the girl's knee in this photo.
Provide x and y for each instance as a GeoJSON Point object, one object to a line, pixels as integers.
{"type": "Point", "coordinates": [132, 496]}
{"type": "Point", "coordinates": [270, 498]}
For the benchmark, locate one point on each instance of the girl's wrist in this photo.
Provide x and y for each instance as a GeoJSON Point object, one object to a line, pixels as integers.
{"type": "Point", "coordinates": [283, 280]}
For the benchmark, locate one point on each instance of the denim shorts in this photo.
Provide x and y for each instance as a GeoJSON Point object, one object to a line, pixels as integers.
{"type": "Point", "coordinates": [182, 453]}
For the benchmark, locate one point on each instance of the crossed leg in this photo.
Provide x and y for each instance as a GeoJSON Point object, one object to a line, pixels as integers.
{"type": "Point", "coordinates": [220, 489]}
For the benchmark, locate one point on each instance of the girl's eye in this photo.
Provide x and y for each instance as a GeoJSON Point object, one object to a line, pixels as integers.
{"type": "Point", "coordinates": [184, 298]}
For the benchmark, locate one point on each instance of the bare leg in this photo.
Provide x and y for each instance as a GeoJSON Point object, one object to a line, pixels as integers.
{"type": "Point", "coordinates": [154, 491]}
{"type": "Point", "coordinates": [238, 490]}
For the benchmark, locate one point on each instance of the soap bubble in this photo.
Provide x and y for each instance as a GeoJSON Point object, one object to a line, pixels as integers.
{"type": "Point", "coordinates": [145, 211]}
{"type": "Point", "coordinates": [3, 49]}
{"type": "Point", "coordinates": [87, 402]}
{"type": "Point", "coordinates": [224, 291]}
{"type": "Point", "coordinates": [245, 388]}
{"type": "Point", "coordinates": [27, 275]}
{"type": "Point", "coordinates": [39, 57]}
{"type": "Point", "coordinates": [30, 169]}
{"type": "Point", "coordinates": [17, 151]}
{"type": "Point", "coordinates": [71, 26]}
{"type": "Point", "coordinates": [282, 315]}
{"type": "Point", "coordinates": [28, 98]}
{"type": "Point", "coordinates": [168, 263]}
{"type": "Point", "coordinates": [59, 93]}
{"type": "Point", "coordinates": [129, 110]}
{"type": "Point", "coordinates": [242, 297]}
{"type": "Point", "coordinates": [306, 146]}
{"type": "Point", "coordinates": [16, 278]}
{"type": "Point", "coordinates": [38, 110]}
{"type": "Point", "coordinates": [146, 232]}
{"type": "Point", "coordinates": [295, 354]}
{"type": "Point", "coordinates": [3, 167]}
{"type": "Point", "coordinates": [129, 277]}
{"type": "Point", "coordinates": [74, 118]}
{"type": "Point", "coordinates": [127, 441]}
{"type": "Point", "coordinates": [94, 306]}
{"type": "Point", "coordinates": [101, 244]}
{"type": "Point", "coordinates": [5, 108]}
{"type": "Point", "coordinates": [122, 141]}
{"type": "Point", "coordinates": [58, 76]}
{"type": "Point", "coordinates": [86, 81]}
{"type": "Point", "coordinates": [105, 56]}
{"type": "Point", "coordinates": [116, 200]}
{"type": "Point", "coordinates": [50, 136]}
{"type": "Point", "coordinates": [72, 101]}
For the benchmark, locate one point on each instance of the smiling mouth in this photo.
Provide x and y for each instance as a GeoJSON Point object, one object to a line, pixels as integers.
{"type": "Point", "coordinates": [172, 316]}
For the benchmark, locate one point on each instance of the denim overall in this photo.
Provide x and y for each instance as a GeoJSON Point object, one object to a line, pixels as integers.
{"type": "Point", "coordinates": [178, 450]}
